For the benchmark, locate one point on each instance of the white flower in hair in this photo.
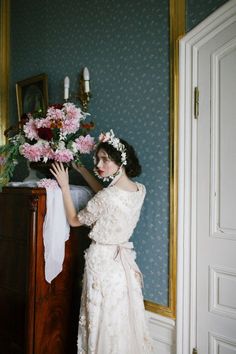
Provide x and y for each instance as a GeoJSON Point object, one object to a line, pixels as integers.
{"type": "Point", "coordinates": [104, 137]}
{"type": "Point", "coordinates": [110, 138]}
{"type": "Point", "coordinates": [123, 158]}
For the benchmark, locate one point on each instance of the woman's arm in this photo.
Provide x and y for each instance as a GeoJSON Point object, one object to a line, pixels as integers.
{"type": "Point", "coordinates": [62, 177]}
{"type": "Point", "coordinates": [89, 178]}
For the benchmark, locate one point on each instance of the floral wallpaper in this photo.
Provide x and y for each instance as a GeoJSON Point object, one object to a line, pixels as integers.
{"type": "Point", "coordinates": [125, 45]}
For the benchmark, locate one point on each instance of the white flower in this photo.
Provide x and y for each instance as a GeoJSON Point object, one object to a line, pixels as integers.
{"type": "Point", "coordinates": [74, 147]}
{"type": "Point", "coordinates": [61, 145]}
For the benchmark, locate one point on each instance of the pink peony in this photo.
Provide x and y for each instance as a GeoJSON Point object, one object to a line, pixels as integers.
{"type": "Point", "coordinates": [42, 123]}
{"type": "Point", "coordinates": [70, 126]}
{"type": "Point", "coordinates": [55, 114]}
{"type": "Point", "coordinates": [32, 152]}
{"type": "Point", "coordinates": [72, 118]}
{"type": "Point", "coordinates": [85, 144]}
{"type": "Point", "coordinates": [58, 136]}
{"type": "Point", "coordinates": [30, 130]}
{"type": "Point", "coordinates": [47, 153]}
{"type": "Point", "coordinates": [64, 155]}
{"type": "Point", "coordinates": [72, 112]}
{"type": "Point", "coordinates": [47, 183]}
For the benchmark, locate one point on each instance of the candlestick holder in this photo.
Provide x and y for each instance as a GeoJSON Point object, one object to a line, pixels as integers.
{"type": "Point", "coordinates": [84, 95]}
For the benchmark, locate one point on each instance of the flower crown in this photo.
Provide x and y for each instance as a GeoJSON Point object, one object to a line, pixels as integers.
{"type": "Point", "coordinates": [110, 138]}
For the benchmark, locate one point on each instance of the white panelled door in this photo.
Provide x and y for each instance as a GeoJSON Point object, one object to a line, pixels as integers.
{"type": "Point", "coordinates": [216, 194]}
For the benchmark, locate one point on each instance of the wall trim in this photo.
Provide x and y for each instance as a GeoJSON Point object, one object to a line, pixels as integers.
{"type": "Point", "coordinates": [162, 330]}
{"type": "Point", "coordinates": [188, 73]}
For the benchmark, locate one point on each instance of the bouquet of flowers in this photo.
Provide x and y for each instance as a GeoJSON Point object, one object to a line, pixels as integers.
{"type": "Point", "coordinates": [62, 135]}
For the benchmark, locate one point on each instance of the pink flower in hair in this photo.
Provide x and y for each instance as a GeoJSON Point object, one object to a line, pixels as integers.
{"type": "Point", "coordinates": [103, 137]}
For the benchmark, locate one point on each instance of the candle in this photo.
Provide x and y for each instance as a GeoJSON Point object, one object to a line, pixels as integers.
{"type": "Point", "coordinates": [66, 87]}
{"type": "Point", "coordinates": [86, 80]}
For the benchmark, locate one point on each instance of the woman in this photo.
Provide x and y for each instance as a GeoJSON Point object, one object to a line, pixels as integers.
{"type": "Point", "coordinates": [112, 315]}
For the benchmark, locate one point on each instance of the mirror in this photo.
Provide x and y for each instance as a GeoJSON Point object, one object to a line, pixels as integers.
{"type": "Point", "coordinates": [110, 99]}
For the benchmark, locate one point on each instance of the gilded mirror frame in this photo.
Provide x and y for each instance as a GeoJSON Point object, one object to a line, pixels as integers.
{"type": "Point", "coordinates": [4, 67]}
{"type": "Point", "coordinates": [177, 30]}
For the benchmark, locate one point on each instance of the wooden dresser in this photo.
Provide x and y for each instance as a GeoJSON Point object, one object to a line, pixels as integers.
{"type": "Point", "coordinates": [36, 317]}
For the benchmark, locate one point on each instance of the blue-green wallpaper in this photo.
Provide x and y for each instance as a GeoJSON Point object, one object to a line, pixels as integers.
{"type": "Point", "coordinates": [125, 45]}
{"type": "Point", "coordinates": [198, 10]}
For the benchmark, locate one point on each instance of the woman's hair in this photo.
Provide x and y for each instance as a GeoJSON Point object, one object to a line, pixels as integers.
{"type": "Point", "coordinates": [133, 167]}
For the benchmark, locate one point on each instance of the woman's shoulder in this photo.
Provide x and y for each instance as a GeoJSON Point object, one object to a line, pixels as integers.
{"type": "Point", "coordinates": [141, 187]}
{"type": "Point", "coordinates": [102, 194]}
{"type": "Point", "coordinates": [99, 199]}
{"type": "Point", "coordinates": [109, 190]}
{"type": "Point", "coordinates": [139, 190]}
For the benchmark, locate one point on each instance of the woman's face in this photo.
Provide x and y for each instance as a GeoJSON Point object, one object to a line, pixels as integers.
{"type": "Point", "coordinates": [105, 166]}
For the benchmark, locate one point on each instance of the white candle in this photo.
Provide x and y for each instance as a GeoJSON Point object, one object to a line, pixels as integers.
{"type": "Point", "coordinates": [86, 80]}
{"type": "Point", "coordinates": [66, 87]}
{"type": "Point", "coordinates": [86, 74]}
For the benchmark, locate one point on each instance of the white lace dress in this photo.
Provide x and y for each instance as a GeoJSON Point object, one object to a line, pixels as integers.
{"type": "Point", "coordinates": [112, 316]}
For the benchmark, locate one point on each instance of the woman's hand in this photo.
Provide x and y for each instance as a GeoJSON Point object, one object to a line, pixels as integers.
{"type": "Point", "coordinates": [77, 167]}
{"type": "Point", "coordinates": [89, 178]}
{"type": "Point", "coordinates": [62, 177]}
{"type": "Point", "coordinates": [61, 174]}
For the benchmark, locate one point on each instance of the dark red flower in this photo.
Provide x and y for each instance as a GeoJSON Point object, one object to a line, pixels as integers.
{"type": "Point", "coordinates": [23, 119]}
{"type": "Point", "coordinates": [45, 133]}
{"type": "Point", "coordinates": [57, 105]}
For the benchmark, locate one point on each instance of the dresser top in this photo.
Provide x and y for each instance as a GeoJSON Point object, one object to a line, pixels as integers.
{"type": "Point", "coordinates": [24, 190]}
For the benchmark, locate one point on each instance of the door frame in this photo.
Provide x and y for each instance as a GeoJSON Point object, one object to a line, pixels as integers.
{"type": "Point", "coordinates": [187, 182]}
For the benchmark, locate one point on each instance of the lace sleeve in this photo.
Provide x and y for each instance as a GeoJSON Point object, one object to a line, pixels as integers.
{"type": "Point", "coordinates": [93, 210]}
